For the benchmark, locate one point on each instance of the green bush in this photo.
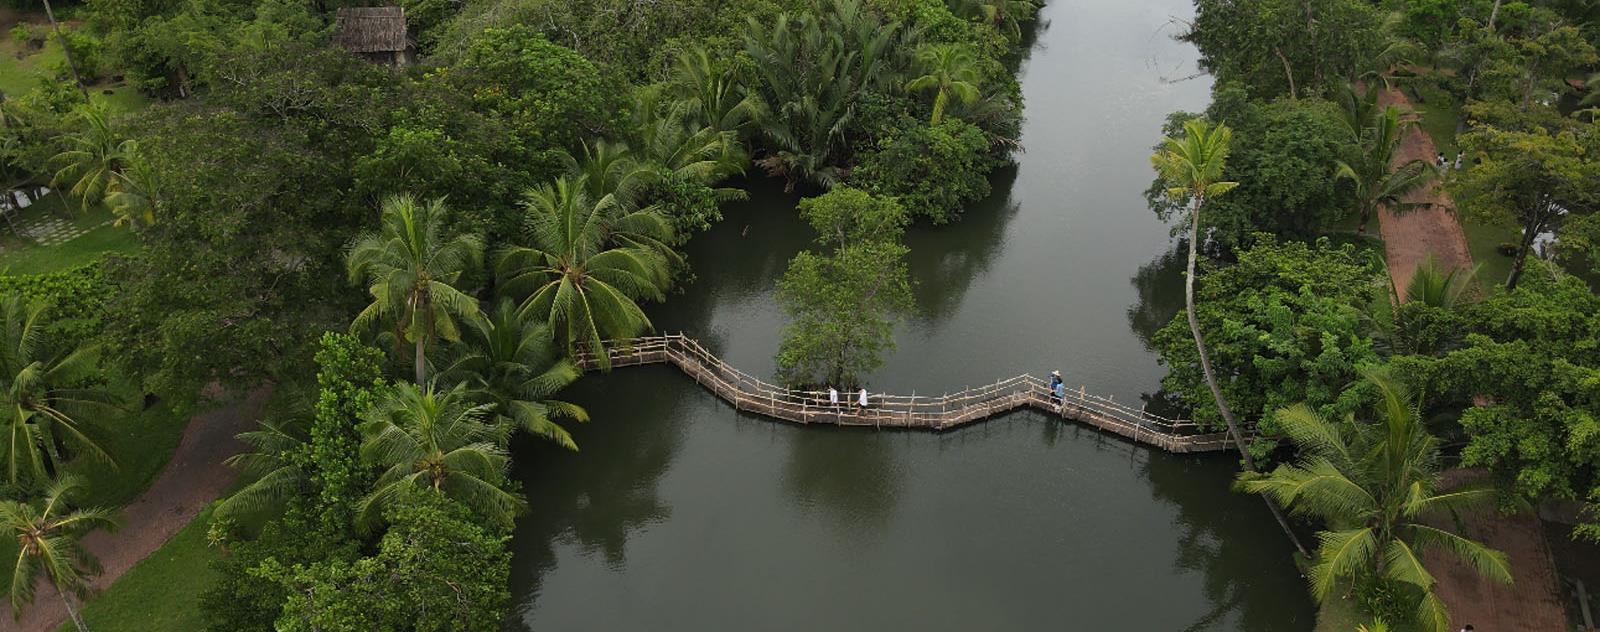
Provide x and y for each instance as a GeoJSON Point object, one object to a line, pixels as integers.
{"type": "Point", "coordinates": [935, 171]}
{"type": "Point", "coordinates": [87, 52]}
{"type": "Point", "coordinates": [77, 298]}
{"type": "Point", "coordinates": [28, 36]}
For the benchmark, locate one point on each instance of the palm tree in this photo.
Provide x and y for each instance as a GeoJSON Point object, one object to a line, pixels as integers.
{"type": "Point", "coordinates": [950, 70]}
{"type": "Point", "coordinates": [47, 541]}
{"type": "Point", "coordinates": [711, 93]}
{"type": "Point", "coordinates": [1192, 168]}
{"type": "Point", "coordinates": [131, 193]}
{"type": "Point", "coordinates": [1434, 286]}
{"type": "Point", "coordinates": [513, 364]}
{"type": "Point", "coordinates": [1378, 181]}
{"type": "Point", "coordinates": [1377, 486]}
{"type": "Point", "coordinates": [438, 441]}
{"type": "Point", "coordinates": [588, 262]}
{"type": "Point", "coordinates": [410, 267]}
{"type": "Point", "coordinates": [44, 394]}
{"type": "Point", "coordinates": [1005, 16]}
{"type": "Point", "coordinates": [272, 466]}
{"type": "Point", "coordinates": [94, 156]}
{"type": "Point", "coordinates": [65, 49]}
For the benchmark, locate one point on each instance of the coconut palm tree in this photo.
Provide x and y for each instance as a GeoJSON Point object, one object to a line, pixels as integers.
{"type": "Point", "coordinates": [438, 441]}
{"type": "Point", "coordinates": [272, 465]}
{"type": "Point", "coordinates": [131, 193]}
{"type": "Point", "coordinates": [1377, 485]}
{"type": "Point", "coordinates": [951, 71]}
{"type": "Point", "coordinates": [95, 154]}
{"type": "Point", "coordinates": [410, 265]}
{"type": "Point", "coordinates": [47, 535]}
{"type": "Point", "coordinates": [513, 363]}
{"type": "Point", "coordinates": [1434, 286]}
{"type": "Point", "coordinates": [44, 395]}
{"type": "Point", "coordinates": [1005, 16]}
{"type": "Point", "coordinates": [1370, 167]}
{"type": "Point", "coordinates": [587, 264]}
{"type": "Point", "coordinates": [1192, 168]}
{"type": "Point", "coordinates": [66, 50]}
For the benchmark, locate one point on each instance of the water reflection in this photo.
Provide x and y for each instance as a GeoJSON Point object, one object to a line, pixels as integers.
{"type": "Point", "coordinates": [849, 476]}
{"type": "Point", "coordinates": [1230, 540]}
{"type": "Point", "coordinates": [945, 260]}
{"type": "Point", "coordinates": [1160, 288]}
{"type": "Point", "coordinates": [598, 504]}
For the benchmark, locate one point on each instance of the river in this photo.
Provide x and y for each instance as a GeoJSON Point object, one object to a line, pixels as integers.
{"type": "Point", "coordinates": [681, 514]}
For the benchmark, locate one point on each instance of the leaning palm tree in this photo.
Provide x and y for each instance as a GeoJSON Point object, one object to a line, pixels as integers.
{"type": "Point", "coordinates": [1370, 167]}
{"type": "Point", "coordinates": [95, 154]}
{"type": "Point", "coordinates": [1192, 168]}
{"type": "Point", "coordinates": [66, 50]}
{"type": "Point", "coordinates": [47, 535]}
{"type": "Point", "coordinates": [44, 395]}
{"type": "Point", "coordinates": [410, 267]}
{"type": "Point", "coordinates": [1377, 485]}
{"type": "Point", "coordinates": [438, 441]}
{"type": "Point", "coordinates": [513, 363]}
{"type": "Point", "coordinates": [951, 71]}
{"type": "Point", "coordinates": [587, 264]}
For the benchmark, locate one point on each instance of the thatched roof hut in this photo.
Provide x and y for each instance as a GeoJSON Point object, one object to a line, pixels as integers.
{"type": "Point", "coordinates": [377, 34]}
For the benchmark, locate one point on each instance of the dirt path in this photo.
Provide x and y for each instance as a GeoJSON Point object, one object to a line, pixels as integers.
{"type": "Point", "coordinates": [193, 478]}
{"type": "Point", "coordinates": [1409, 238]}
{"type": "Point", "coordinates": [1532, 603]}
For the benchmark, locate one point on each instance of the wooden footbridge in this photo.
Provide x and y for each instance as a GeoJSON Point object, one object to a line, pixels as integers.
{"type": "Point", "coordinates": [748, 393]}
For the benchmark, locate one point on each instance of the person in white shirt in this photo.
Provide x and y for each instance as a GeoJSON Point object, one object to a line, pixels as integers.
{"type": "Point", "coordinates": [833, 397]}
{"type": "Point", "coordinates": [862, 402]}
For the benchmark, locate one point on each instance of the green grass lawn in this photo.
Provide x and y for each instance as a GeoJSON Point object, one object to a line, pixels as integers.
{"type": "Point", "coordinates": [21, 255]}
{"type": "Point", "coordinates": [1483, 240]}
{"type": "Point", "coordinates": [21, 68]}
{"type": "Point", "coordinates": [161, 592]}
{"type": "Point", "coordinates": [1339, 615]}
{"type": "Point", "coordinates": [1440, 112]}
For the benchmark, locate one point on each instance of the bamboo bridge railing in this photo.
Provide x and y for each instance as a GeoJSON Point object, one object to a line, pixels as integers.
{"type": "Point", "coordinates": [942, 412]}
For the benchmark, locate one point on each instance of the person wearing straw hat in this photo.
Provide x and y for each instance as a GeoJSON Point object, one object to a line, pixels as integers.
{"type": "Point", "coordinates": [1055, 385]}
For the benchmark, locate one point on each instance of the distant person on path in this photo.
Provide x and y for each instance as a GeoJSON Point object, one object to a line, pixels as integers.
{"type": "Point", "coordinates": [862, 402]}
{"type": "Point", "coordinates": [1059, 393]}
{"type": "Point", "coordinates": [833, 397]}
{"type": "Point", "coordinates": [1459, 157]}
{"type": "Point", "coordinates": [1441, 161]}
{"type": "Point", "coordinates": [1055, 386]}
{"type": "Point", "coordinates": [1468, 628]}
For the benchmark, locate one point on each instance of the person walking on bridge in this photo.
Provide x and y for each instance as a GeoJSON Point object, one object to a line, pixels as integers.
{"type": "Point", "coordinates": [862, 401]}
{"type": "Point", "coordinates": [1055, 385]}
{"type": "Point", "coordinates": [833, 397]}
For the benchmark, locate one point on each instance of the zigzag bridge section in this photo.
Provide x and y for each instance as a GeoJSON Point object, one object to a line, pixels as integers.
{"type": "Point", "coordinates": [943, 412]}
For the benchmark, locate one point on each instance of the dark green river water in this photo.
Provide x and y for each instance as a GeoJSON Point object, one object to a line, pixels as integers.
{"type": "Point", "coordinates": [681, 514]}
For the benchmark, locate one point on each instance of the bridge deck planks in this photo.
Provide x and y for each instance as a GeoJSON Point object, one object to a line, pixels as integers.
{"type": "Point", "coordinates": [750, 394]}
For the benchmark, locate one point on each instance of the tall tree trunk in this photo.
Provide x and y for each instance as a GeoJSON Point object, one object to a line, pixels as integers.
{"type": "Point", "coordinates": [421, 361]}
{"type": "Point", "coordinates": [72, 611]}
{"type": "Point", "coordinates": [72, 65]}
{"type": "Point", "coordinates": [1288, 73]}
{"type": "Point", "coordinates": [1494, 13]}
{"type": "Point", "coordinates": [1211, 377]}
{"type": "Point", "coordinates": [1517, 264]}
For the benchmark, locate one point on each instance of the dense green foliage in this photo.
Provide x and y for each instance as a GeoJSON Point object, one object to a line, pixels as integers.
{"type": "Point", "coordinates": [1288, 323]}
{"type": "Point", "coordinates": [1288, 47]}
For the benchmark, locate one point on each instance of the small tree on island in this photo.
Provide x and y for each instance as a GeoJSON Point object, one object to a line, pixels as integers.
{"type": "Point", "coordinates": [844, 305]}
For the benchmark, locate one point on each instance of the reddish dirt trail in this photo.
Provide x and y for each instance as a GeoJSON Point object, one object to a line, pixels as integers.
{"type": "Point", "coordinates": [1409, 238]}
{"type": "Point", "coordinates": [192, 479]}
{"type": "Point", "coordinates": [1532, 603]}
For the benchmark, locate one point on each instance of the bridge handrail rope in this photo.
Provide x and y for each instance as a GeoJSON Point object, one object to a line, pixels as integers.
{"type": "Point", "coordinates": [748, 392]}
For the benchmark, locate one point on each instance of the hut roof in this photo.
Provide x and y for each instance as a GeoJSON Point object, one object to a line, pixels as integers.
{"type": "Point", "coordinates": [371, 29]}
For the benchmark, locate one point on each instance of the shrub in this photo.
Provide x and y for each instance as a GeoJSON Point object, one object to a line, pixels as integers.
{"type": "Point", "coordinates": [1506, 249]}
{"type": "Point", "coordinates": [77, 298]}
{"type": "Point", "coordinates": [28, 36]}
{"type": "Point", "coordinates": [934, 171]}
